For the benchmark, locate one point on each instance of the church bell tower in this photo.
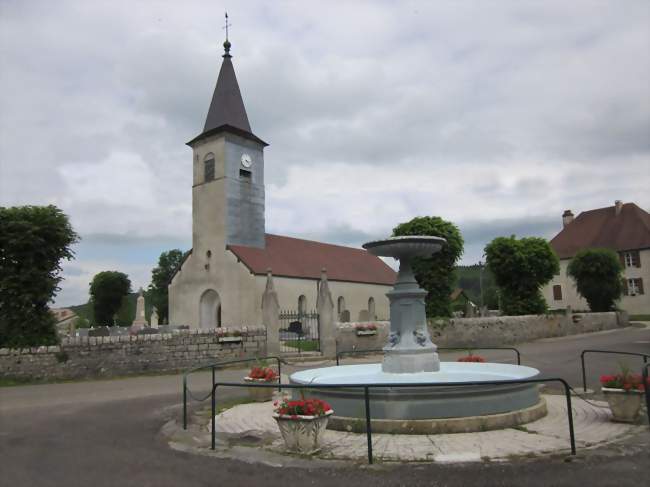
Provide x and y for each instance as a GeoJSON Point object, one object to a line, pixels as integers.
{"type": "Point", "coordinates": [228, 171]}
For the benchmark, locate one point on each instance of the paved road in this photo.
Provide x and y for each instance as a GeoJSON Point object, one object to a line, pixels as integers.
{"type": "Point", "coordinates": [106, 433]}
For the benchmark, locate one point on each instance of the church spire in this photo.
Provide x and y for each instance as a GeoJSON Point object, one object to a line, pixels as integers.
{"type": "Point", "coordinates": [227, 111]}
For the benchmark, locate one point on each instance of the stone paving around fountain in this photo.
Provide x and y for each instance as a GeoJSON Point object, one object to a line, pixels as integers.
{"type": "Point", "coordinates": [254, 424]}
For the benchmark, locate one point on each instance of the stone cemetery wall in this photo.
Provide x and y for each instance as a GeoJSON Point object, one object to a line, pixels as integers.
{"type": "Point", "coordinates": [491, 331]}
{"type": "Point", "coordinates": [106, 356]}
{"type": "Point", "coordinates": [506, 330]}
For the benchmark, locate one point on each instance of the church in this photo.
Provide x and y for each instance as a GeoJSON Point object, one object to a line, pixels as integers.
{"type": "Point", "coordinates": [223, 277]}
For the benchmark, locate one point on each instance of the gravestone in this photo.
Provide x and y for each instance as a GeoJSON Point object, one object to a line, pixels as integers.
{"type": "Point", "coordinates": [140, 321]}
{"type": "Point", "coordinates": [154, 318]}
{"type": "Point", "coordinates": [345, 316]}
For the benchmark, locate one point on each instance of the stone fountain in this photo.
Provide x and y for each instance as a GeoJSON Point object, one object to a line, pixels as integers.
{"type": "Point", "coordinates": [409, 348]}
{"type": "Point", "coordinates": [410, 358]}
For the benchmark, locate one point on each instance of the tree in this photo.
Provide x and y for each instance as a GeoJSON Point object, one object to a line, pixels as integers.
{"type": "Point", "coordinates": [161, 275]}
{"type": "Point", "coordinates": [597, 273]}
{"type": "Point", "coordinates": [436, 274]}
{"type": "Point", "coordinates": [520, 268]}
{"type": "Point", "coordinates": [33, 241]}
{"type": "Point", "coordinates": [107, 291]}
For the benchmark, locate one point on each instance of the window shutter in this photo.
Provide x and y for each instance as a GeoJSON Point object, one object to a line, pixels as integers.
{"type": "Point", "coordinates": [625, 287]}
{"type": "Point", "coordinates": [639, 285]}
{"type": "Point", "coordinates": [636, 258]}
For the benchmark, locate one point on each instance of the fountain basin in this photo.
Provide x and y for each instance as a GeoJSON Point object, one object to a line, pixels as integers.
{"type": "Point", "coordinates": [519, 402]}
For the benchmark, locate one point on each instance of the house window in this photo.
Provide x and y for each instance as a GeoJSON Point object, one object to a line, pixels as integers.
{"type": "Point", "coordinates": [557, 292]}
{"type": "Point", "coordinates": [634, 287]}
{"type": "Point", "coordinates": [632, 259]}
{"type": "Point", "coordinates": [208, 167]}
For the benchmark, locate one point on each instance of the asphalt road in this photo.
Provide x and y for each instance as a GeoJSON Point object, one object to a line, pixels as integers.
{"type": "Point", "coordinates": [107, 433]}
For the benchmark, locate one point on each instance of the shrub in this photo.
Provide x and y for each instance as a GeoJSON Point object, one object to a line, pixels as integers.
{"type": "Point", "coordinates": [597, 273]}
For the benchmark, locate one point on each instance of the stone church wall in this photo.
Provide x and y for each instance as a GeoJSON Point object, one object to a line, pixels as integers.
{"type": "Point", "coordinates": [94, 357]}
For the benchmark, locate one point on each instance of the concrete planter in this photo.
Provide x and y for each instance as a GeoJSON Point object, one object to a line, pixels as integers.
{"type": "Point", "coordinates": [229, 339]}
{"type": "Point", "coordinates": [261, 394]}
{"type": "Point", "coordinates": [302, 434]}
{"type": "Point", "coordinates": [361, 333]}
{"type": "Point", "coordinates": [625, 405]}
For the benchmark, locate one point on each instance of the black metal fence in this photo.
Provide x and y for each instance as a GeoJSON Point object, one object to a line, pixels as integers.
{"type": "Point", "coordinates": [299, 332]}
{"type": "Point", "coordinates": [366, 394]}
{"type": "Point", "coordinates": [615, 352]}
{"type": "Point", "coordinates": [220, 365]}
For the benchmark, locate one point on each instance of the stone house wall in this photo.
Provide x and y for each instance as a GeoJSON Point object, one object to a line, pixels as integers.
{"type": "Point", "coordinates": [93, 357]}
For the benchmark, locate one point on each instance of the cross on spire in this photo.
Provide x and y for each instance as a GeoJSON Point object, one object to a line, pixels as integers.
{"type": "Point", "coordinates": [226, 44]}
{"type": "Point", "coordinates": [228, 24]}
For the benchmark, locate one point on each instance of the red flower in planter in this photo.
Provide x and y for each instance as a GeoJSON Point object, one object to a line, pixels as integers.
{"type": "Point", "coordinates": [471, 358]}
{"type": "Point", "coordinates": [625, 381]}
{"type": "Point", "coordinates": [264, 373]}
{"type": "Point", "coordinates": [302, 407]}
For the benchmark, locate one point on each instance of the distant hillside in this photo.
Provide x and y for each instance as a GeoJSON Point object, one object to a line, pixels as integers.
{"type": "Point", "coordinates": [125, 315]}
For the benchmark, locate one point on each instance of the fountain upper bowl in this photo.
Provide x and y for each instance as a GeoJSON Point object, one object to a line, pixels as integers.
{"type": "Point", "coordinates": [406, 246]}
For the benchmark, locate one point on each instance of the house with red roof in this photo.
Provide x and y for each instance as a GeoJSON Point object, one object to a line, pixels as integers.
{"type": "Point", "coordinates": [624, 228]}
{"type": "Point", "coordinates": [222, 279]}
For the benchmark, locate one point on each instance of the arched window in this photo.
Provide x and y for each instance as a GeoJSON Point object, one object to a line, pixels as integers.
{"type": "Point", "coordinates": [340, 305]}
{"type": "Point", "coordinates": [302, 305]}
{"type": "Point", "coordinates": [371, 309]}
{"type": "Point", "coordinates": [208, 167]}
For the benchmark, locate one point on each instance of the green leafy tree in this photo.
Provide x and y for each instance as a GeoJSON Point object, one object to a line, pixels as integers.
{"type": "Point", "coordinates": [436, 274]}
{"type": "Point", "coordinates": [107, 292]}
{"type": "Point", "coordinates": [597, 273]}
{"type": "Point", "coordinates": [33, 241]}
{"type": "Point", "coordinates": [157, 293]}
{"type": "Point", "coordinates": [520, 268]}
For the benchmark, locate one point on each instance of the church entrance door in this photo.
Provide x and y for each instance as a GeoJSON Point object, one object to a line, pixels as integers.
{"type": "Point", "coordinates": [210, 309]}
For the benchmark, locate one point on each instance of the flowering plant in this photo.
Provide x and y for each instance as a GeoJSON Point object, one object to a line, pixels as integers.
{"type": "Point", "coordinates": [625, 381]}
{"type": "Point", "coordinates": [302, 407]}
{"type": "Point", "coordinates": [370, 327]}
{"type": "Point", "coordinates": [471, 358]}
{"type": "Point", "coordinates": [266, 374]}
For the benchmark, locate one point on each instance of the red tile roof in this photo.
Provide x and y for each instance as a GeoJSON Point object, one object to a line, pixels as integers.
{"type": "Point", "coordinates": [293, 257]}
{"type": "Point", "coordinates": [629, 230]}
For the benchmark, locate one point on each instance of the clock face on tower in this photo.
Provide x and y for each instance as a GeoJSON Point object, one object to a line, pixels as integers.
{"type": "Point", "coordinates": [246, 160]}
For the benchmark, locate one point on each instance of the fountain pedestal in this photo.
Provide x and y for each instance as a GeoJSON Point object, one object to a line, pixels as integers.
{"type": "Point", "coordinates": [409, 348]}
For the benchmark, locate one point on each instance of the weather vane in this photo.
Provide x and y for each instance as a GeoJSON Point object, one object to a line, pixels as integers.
{"type": "Point", "coordinates": [227, 25]}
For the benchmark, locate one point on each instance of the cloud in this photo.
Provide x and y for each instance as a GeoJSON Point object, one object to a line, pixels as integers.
{"type": "Point", "coordinates": [490, 116]}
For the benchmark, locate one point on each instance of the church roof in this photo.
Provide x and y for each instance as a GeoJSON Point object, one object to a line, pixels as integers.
{"type": "Point", "coordinates": [227, 111]}
{"type": "Point", "coordinates": [629, 230]}
{"type": "Point", "coordinates": [294, 257]}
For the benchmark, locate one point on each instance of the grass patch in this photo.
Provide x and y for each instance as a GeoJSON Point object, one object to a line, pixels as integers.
{"type": "Point", "coordinates": [303, 345]}
{"type": "Point", "coordinates": [639, 317]}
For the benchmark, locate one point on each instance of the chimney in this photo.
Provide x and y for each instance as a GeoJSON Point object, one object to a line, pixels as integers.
{"type": "Point", "coordinates": [618, 205]}
{"type": "Point", "coordinates": [567, 217]}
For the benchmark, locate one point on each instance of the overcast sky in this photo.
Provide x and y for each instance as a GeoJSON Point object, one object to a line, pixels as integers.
{"type": "Point", "coordinates": [494, 115]}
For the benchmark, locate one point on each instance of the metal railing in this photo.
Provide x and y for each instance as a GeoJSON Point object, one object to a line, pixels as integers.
{"type": "Point", "coordinates": [367, 401]}
{"type": "Point", "coordinates": [646, 386]}
{"type": "Point", "coordinates": [448, 349]}
{"type": "Point", "coordinates": [213, 367]}
{"type": "Point", "coordinates": [584, 369]}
